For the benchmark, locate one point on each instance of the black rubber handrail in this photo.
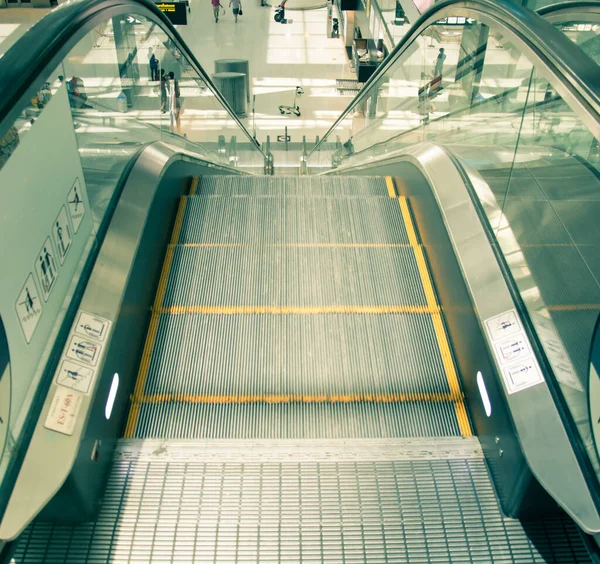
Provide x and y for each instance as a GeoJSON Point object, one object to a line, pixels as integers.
{"type": "Point", "coordinates": [48, 42]}
{"type": "Point", "coordinates": [577, 8]}
{"type": "Point", "coordinates": [560, 55]}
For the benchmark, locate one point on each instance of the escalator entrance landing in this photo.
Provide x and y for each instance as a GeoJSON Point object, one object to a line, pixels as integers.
{"type": "Point", "coordinates": [297, 397]}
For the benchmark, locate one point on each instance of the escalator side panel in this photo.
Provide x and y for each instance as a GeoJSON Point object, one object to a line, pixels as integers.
{"type": "Point", "coordinates": [512, 476]}
{"type": "Point", "coordinates": [120, 289]}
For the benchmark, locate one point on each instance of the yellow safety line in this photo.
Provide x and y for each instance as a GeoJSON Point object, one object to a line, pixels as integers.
{"type": "Point", "coordinates": [298, 398]}
{"type": "Point", "coordinates": [292, 310]}
{"type": "Point", "coordinates": [390, 186]}
{"type": "Point", "coordinates": [211, 245]}
{"type": "Point", "coordinates": [178, 221]}
{"type": "Point", "coordinates": [573, 307]}
{"type": "Point", "coordinates": [164, 277]}
{"type": "Point", "coordinates": [140, 382]}
{"type": "Point", "coordinates": [300, 245]}
{"type": "Point", "coordinates": [438, 325]}
{"type": "Point", "coordinates": [309, 245]}
{"type": "Point", "coordinates": [153, 327]}
{"type": "Point", "coordinates": [544, 245]}
{"type": "Point", "coordinates": [194, 186]}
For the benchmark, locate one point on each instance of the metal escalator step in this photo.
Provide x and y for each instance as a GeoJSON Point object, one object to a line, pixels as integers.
{"type": "Point", "coordinates": [177, 420]}
{"type": "Point", "coordinates": [237, 355]}
{"type": "Point", "coordinates": [416, 501]}
{"type": "Point", "coordinates": [294, 276]}
{"type": "Point", "coordinates": [292, 220]}
{"type": "Point", "coordinates": [308, 186]}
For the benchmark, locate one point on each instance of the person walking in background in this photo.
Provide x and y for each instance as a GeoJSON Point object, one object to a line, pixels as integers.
{"type": "Point", "coordinates": [237, 8]}
{"type": "Point", "coordinates": [163, 91]}
{"type": "Point", "coordinates": [176, 93]}
{"type": "Point", "coordinates": [439, 63]}
{"type": "Point", "coordinates": [153, 66]}
{"type": "Point", "coordinates": [435, 86]}
{"type": "Point", "coordinates": [216, 4]}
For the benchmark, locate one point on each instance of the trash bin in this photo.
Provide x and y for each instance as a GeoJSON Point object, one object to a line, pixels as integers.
{"type": "Point", "coordinates": [232, 86]}
{"type": "Point", "coordinates": [235, 65]}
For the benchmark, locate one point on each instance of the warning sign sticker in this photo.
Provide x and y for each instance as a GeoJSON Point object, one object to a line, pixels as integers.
{"type": "Point", "coordinates": [76, 205]}
{"type": "Point", "coordinates": [61, 233]}
{"type": "Point", "coordinates": [46, 269]}
{"type": "Point", "coordinates": [74, 376]}
{"type": "Point", "coordinates": [89, 325]}
{"type": "Point", "coordinates": [29, 307]}
{"type": "Point", "coordinates": [513, 352]}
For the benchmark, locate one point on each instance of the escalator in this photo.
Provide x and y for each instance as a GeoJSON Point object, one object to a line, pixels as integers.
{"type": "Point", "coordinates": [262, 264]}
{"type": "Point", "coordinates": [579, 21]}
{"type": "Point", "coordinates": [297, 346]}
{"type": "Point", "coordinates": [226, 366]}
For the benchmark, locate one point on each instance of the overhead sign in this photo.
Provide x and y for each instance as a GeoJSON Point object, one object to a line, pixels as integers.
{"type": "Point", "coordinates": [175, 11]}
{"type": "Point", "coordinates": [453, 20]}
{"type": "Point", "coordinates": [284, 138]}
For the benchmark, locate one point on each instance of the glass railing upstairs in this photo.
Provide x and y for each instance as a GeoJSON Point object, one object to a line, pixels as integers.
{"type": "Point", "coordinates": [580, 22]}
{"type": "Point", "coordinates": [518, 105]}
{"type": "Point", "coordinates": [83, 93]}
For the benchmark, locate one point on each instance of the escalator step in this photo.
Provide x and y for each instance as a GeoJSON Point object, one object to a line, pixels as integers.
{"type": "Point", "coordinates": [294, 276]}
{"type": "Point", "coordinates": [237, 355]}
{"type": "Point", "coordinates": [279, 220]}
{"type": "Point", "coordinates": [308, 186]}
{"type": "Point", "coordinates": [262, 420]}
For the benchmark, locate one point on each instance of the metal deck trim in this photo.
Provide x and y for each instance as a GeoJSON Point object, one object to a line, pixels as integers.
{"type": "Point", "coordinates": [297, 450]}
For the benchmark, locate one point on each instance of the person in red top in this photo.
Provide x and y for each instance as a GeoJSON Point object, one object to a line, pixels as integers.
{"type": "Point", "coordinates": [216, 5]}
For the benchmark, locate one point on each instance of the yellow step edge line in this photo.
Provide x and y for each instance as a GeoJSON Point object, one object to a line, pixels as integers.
{"type": "Point", "coordinates": [292, 310]}
{"type": "Point", "coordinates": [308, 245]}
{"type": "Point", "coordinates": [298, 398]}
{"type": "Point", "coordinates": [390, 186]}
{"type": "Point", "coordinates": [573, 307]}
{"type": "Point", "coordinates": [438, 325]}
{"type": "Point", "coordinates": [164, 277]}
{"type": "Point", "coordinates": [178, 221]}
{"type": "Point", "coordinates": [544, 245]}
{"type": "Point", "coordinates": [141, 377]}
{"type": "Point", "coordinates": [140, 382]}
{"type": "Point", "coordinates": [463, 419]}
{"type": "Point", "coordinates": [194, 185]}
